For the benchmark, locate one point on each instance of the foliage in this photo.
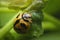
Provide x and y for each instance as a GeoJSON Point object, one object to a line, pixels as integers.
{"type": "Point", "coordinates": [49, 23]}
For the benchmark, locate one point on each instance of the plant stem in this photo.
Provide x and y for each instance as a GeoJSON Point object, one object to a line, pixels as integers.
{"type": "Point", "coordinates": [48, 26]}
{"type": "Point", "coordinates": [50, 18]}
{"type": "Point", "coordinates": [6, 28]}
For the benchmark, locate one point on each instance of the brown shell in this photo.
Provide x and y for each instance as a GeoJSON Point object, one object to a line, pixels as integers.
{"type": "Point", "coordinates": [21, 26]}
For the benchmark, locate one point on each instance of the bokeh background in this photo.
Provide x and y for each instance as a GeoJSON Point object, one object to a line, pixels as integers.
{"type": "Point", "coordinates": [50, 24]}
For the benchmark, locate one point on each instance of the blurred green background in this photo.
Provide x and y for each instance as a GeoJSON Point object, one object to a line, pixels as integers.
{"type": "Point", "coordinates": [50, 24]}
